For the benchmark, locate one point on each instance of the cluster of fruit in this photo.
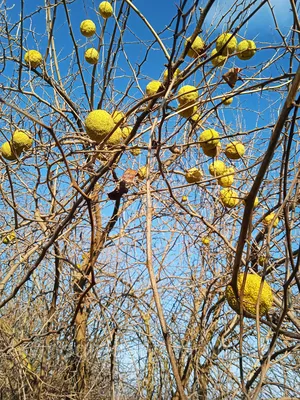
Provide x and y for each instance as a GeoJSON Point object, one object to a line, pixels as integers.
{"type": "Point", "coordinates": [20, 141]}
{"type": "Point", "coordinates": [34, 58]}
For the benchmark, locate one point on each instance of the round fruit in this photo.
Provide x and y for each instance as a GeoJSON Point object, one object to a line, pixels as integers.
{"type": "Point", "coordinates": [227, 181]}
{"type": "Point", "coordinates": [117, 116]}
{"type": "Point", "coordinates": [185, 112]}
{"type": "Point", "coordinates": [269, 218]}
{"type": "Point", "coordinates": [153, 87]}
{"type": "Point", "coordinates": [8, 152]}
{"type": "Point", "coordinates": [91, 56]}
{"type": "Point", "coordinates": [184, 198]}
{"type": "Point", "coordinates": [142, 173]}
{"type": "Point", "coordinates": [87, 28]}
{"type": "Point", "coordinates": [217, 61]}
{"type": "Point", "coordinates": [193, 175]}
{"type": "Point", "coordinates": [195, 117]}
{"type": "Point", "coordinates": [9, 238]}
{"type": "Point", "coordinates": [227, 102]}
{"type": "Point", "coordinates": [98, 124]}
{"type": "Point", "coordinates": [126, 131]}
{"type": "Point", "coordinates": [187, 94]}
{"type": "Point", "coordinates": [251, 295]}
{"type": "Point", "coordinates": [246, 49]}
{"type": "Point", "coordinates": [21, 140]}
{"type": "Point", "coordinates": [33, 58]}
{"type": "Point", "coordinates": [229, 197]}
{"type": "Point", "coordinates": [205, 240]}
{"type": "Point", "coordinates": [209, 139]}
{"type": "Point", "coordinates": [212, 152]}
{"type": "Point", "coordinates": [197, 47]}
{"type": "Point", "coordinates": [256, 202]}
{"type": "Point", "coordinates": [217, 168]}
{"type": "Point", "coordinates": [176, 73]}
{"type": "Point", "coordinates": [135, 151]}
{"type": "Point", "coordinates": [230, 46]}
{"type": "Point", "coordinates": [105, 9]}
{"type": "Point", "coordinates": [235, 150]}
{"type": "Point", "coordinates": [115, 138]}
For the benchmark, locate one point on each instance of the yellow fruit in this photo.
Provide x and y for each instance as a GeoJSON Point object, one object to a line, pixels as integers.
{"type": "Point", "coordinates": [9, 238]}
{"type": "Point", "coordinates": [33, 58]}
{"type": "Point", "coordinates": [153, 87]}
{"type": "Point", "coordinates": [268, 220]}
{"type": "Point", "coordinates": [195, 117]}
{"type": "Point", "coordinates": [209, 139]}
{"type": "Point", "coordinates": [98, 124]}
{"type": "Point", "coordinates": [227, 102]}
{"type": "Point", "coordinates": [213, 151]}
{"type": "Point", "coordinates": [256, 202]}
{"type": "Point", "coordinates": [197, 47]}
{"type": "Point", "coordinates": [251, 295]}
{"type": "Point", "coordinates": [218, 61]}
{"type": "Point", "coordinates": [235, 150]}
{"type": "Point", "coordinates": [205, 240]}
{"type": "Point", "coordinates": [142, 173]}
{"type": "Point", "coordinates": [193, 175]}
{"type": "Point", "coordinates": [262, 261]}
{"type": "Point", "coordinates": [176, 73]}
{"type": "Point", "coordinates": [91, 56]}
{"type": "Point", "coordinates": [115, 138]}
{"type": "Point", "coordinates": [87, 28]}
{"type": "Point", "coordinates": [135, 151]}
{"type": "Point", "coordinates": [8, 152]}
{"type": "Point", "coordinates": [187, 94]}
{"type": "Point", "coordinates": [117, 116]}
{"type": "Point", "coordinates": [184, 198]}
{"type": "Point", "coordinates": [230, 46]}
{"type": "Point", "coordinates": [229, 197]}
{"type": "Point", "coordinates": [186, 112]}
{"type": "Point", "coordinates": [126, 131]}
{"type": "Point", "coordinates": [227, 181]}
{"type": "Point", "coordinates": [105, 9]}
{"type": "Point", "coordinates": [217, 168]}
{"type": "Point", "coordinates": [21, 140]}
{"type": "Point", "coordinates": [246, 49]}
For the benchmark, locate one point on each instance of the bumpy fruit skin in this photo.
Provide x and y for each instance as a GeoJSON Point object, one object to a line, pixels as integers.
{"type": "Point", "coordinates": [21, 140]}
{"type": "Point", "coordinates": [142, 173]}
{"type": "Point", "coordinates": [235, 150]}
{"type": "Point", "coordinates": [227, 102]}
{"type": "Point", "coordinates": [193, 175]}
{"type": "Point", "coordinates": [212, 152]}
{"type": "Point", "coordinates": [268, 220]}
{"type": "Point", "coordinates": [126, 131]}
{"type": "Point", "coordinates": [255, 204]}
{"type": "Point", "coordinates": [152, 88]}
{"type": "Point", "coordinates": [251, 295]}
{"type": "Point", "coordinates": [98, 124]}
{"type": "Point", "coordinates": [117, 116]}
{"type": "Point", "coordinates": [115, 138]}
{"type": "Point", "coordinates": [91, 56]}
{"type": "Point", "coordinates": [105, 9]}
{"type": "Point", "coordinates": [209, 139]}
{"type": "Point", "coordinates": [176, 73]}
{"type": "Point", "coordinates": [227, 181]}
{"type": "Point", "coordinates": [246, 49]}
{"type": "Point", "coordinates": [187, 94]}
{"type": "Point", "coordinates": [87, 28]}
{"type": "Point", "coordinates": [9, 238]}
{"type": "Point", "coordinates": [197, 47]}
{"type": "Point", "coordinates": [229, 197]}
{"type": "Point", "coordinates": [231, 45]}
{"type": "Point", "coordinates": [205, 240]}
{"type": "Point", "coordinates": [218, 61]}
{"type": "Point", "coordinates": [33, 58]}
{"type": "Point", "coordinates": [187, 112]}
{"type": "Point", "coordinates": [8, 152]}
{"type": "Point", "coordinates": [135, 151]}
{"type": "Point", "coordinates": [217, 168]}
